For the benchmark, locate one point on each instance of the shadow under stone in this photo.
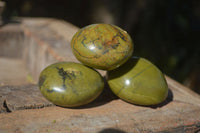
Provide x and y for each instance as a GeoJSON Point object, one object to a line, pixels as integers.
{"type": "Point", "coordinates": [111, 130]}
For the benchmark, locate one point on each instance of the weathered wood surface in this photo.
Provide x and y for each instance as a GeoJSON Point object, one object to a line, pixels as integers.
{"type": "Point", "coordinates": [13, 72]}
{"type": "Point", "coordinates": [47, 41]}
{"type": "Point", "coordinates": [11, 48]}
{"type": "Point", "coordinates": [21, 97]}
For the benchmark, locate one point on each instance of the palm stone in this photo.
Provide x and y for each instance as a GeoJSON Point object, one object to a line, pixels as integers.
{"type": "Point", "coordinates": [138, 81]}
{"type": "Point", "coordinates": [102, 46]}
{"type": "Point", "coordinates": [70, 84]}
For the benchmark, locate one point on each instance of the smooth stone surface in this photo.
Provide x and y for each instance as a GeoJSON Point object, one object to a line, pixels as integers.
{"type": "Point", "coordinates": [70, 84]}
{"type": "Point", "coordinates": [138, 81]}
{"type": "Point", "coordinates": [102, 46]}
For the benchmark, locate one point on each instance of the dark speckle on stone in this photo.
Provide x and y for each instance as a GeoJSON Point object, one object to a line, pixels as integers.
{"type": "Point", "coordinates": [41, 80]}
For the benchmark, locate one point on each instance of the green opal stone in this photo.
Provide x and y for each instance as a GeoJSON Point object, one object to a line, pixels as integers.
{"type": "Point", "coordinates": [102, 46]}
{"type": "Point", "coordinates": [138, 81]}
{"type": "Point", "coordinates": [70, 84]}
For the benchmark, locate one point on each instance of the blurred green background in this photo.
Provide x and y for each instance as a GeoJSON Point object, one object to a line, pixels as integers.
{"type": "Point", "coordinates": [166, 32]}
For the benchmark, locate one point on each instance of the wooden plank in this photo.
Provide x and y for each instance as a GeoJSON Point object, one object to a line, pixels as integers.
{"type": "Point", "coordinates": [11, 47]}
{"type": "Point", "coordinates": [22, 97]}
{"type": "Point", "coordinates": [13, 72]}
{"type": "Point", "coordinates": [179, 113]}
{"type": "Point", "coordinates": [174, 116]}
{"type": "Point", "coordinates": [2, 108]}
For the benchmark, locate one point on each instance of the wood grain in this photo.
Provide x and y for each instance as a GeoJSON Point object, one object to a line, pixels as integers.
{"type": "Point", "coordinates": [48, 41]}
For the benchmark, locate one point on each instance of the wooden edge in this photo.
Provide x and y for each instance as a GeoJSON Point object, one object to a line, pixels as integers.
{"type": "Point", "coordinates": [178, 86]}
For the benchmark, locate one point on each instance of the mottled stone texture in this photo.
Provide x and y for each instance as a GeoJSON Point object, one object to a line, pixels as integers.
{"type": "Point", "coordinates": [102, 46]}
{"type": "Point", "coordinates": [70, 84]}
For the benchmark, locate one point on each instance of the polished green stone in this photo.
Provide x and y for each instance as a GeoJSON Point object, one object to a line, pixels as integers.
{"type": "Point", "coordinates": [138, 81]}
{"type": "Point", "coordinates": [70, 84]}
{"type": "Point", "coordinates": [102, 46]}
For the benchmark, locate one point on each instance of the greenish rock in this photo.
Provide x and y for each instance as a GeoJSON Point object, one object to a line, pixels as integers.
{"type": "Point", "coordinates": [70, 84]}
{"type": "Point", "coordinates": [138, 81]}
{"type": "Point", "coordinates": [102, 46]}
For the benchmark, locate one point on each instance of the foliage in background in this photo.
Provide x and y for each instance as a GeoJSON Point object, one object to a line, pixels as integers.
{"type": "Point", "coordinates": [166, 32]}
